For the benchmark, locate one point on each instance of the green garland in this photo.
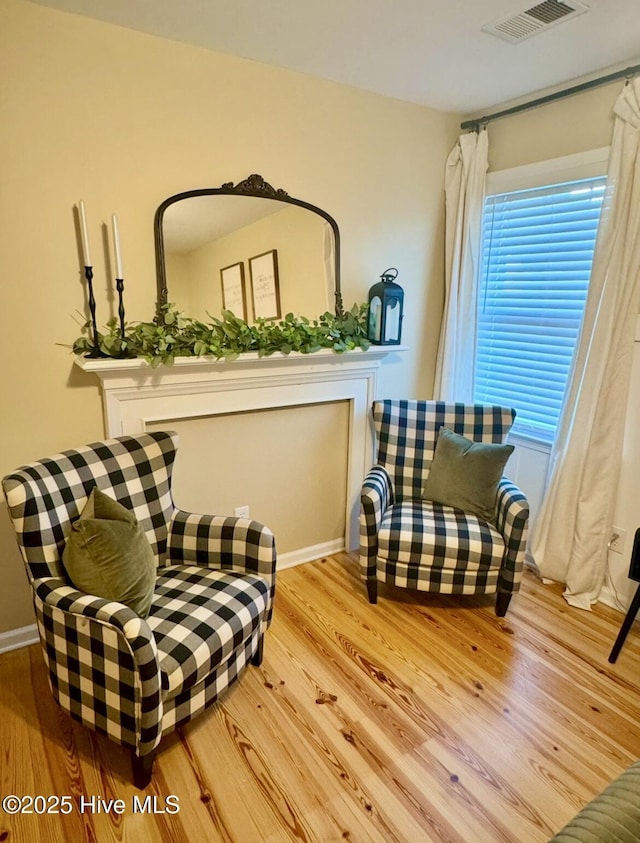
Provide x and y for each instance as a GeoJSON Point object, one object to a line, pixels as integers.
{"type": "Point", "coordinates": [176, 335]}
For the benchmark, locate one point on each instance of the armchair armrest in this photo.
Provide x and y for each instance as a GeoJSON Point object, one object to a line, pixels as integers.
{"type": "Point", "coordinates": [512, 520]}
{"type": "Point", "coordinates": [225, 543]}
{"type": "Point", "coordinates": [218, 541]}
{"type": "Point", "coordinates": [376, 496]}
{"type": "Point", "coordinates": [99, 649]}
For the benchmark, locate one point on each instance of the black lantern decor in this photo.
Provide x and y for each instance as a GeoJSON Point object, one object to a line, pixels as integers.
{"type": "Point", "coordinates": [385, 310]}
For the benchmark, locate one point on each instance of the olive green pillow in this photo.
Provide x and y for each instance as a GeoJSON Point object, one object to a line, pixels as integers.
{"type": "Point", "coordinates": [107, 554]}
{"type": "Point", "coordinates": [466, 474]}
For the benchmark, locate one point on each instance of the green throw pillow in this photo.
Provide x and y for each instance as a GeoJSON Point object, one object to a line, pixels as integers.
{"type": "Point", "coordinates": [108, 554]}
{"type": "Point", "coordinates": [466, 474]}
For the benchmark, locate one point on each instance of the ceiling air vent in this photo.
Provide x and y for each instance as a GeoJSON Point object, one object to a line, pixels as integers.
{"type": "Point", "coordinates": [520, 25]}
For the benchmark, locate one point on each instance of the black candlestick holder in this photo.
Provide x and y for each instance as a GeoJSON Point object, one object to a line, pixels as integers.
{"type": "Point", "coordinates": [95, 351]}
{"type": "Point", "coordinates": [124, 354]}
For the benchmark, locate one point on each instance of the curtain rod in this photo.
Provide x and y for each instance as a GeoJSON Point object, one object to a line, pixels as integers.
{"type": "Point", "coordinates": [628, 72]}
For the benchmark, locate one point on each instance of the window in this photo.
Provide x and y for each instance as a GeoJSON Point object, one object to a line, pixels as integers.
{"type": "Point", "coordinates": [538, 249]}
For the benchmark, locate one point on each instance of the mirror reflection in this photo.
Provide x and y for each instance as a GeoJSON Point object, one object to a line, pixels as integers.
{"type": "Point", "coordinates": [255, 255]}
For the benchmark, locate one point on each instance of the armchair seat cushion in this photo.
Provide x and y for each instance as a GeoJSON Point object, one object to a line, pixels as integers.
{"type": "Point", "coordinates": [464, 552]}
{"type": "Point", "coordinates": [199, 618]}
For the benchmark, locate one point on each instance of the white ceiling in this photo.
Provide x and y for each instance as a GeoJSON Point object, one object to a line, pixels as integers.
{"type": "Point", "coordinates": [431, 52]}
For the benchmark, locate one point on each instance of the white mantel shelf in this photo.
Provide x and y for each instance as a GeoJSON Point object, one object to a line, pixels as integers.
{"type": "Point", "coordinates": [137, 370]}
{"type": "Point", "coordinates": [135, 394]}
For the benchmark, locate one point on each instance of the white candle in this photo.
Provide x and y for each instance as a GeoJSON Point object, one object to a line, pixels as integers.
{"type": "Point", "coordinates": [116, 243]}
{"type": "Point", "coordinates": [84, 235]}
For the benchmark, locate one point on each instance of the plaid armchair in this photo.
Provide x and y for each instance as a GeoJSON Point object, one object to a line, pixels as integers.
{"type": "Point", "coordinates": [415, 543]}
{"type": "Point", "coordinates": [129, 678]}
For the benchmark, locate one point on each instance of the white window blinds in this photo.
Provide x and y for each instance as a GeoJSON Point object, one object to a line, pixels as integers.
{"type": "Point", "coordinates": [538, 250]}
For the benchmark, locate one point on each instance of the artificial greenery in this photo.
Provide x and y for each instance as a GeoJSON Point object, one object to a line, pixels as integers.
{"type": "Point", "coordinates": [175, 335]}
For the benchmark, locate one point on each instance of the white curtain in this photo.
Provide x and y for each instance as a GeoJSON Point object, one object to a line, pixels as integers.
{"type": "Point", "coordinates": [574, 525]}
{"type": "Point", "coordinates": [465, 179]}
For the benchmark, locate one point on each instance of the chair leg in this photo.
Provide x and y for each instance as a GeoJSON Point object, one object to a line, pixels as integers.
{"type": "Point", "coordinates": [372, 590]}
{"type": "Point", "coordinates": [502, 603]}
{"type": "Point", "coordinates": [256, 659]}
{"type": "Point", "coordinates": [142, 768]}
{"type": "Point", "coordinates": [626, 626]}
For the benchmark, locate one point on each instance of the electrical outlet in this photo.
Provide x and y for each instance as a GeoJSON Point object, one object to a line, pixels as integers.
{"type": "Point", "coordinates": [242, 512]}
{"type": "Point", "coordinates": [617, 540]}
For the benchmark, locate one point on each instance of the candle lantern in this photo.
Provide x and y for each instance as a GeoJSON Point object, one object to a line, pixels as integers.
{"type": "Point", "coordinates": [386, 302]}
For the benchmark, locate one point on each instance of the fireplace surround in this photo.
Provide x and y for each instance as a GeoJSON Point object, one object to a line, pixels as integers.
{"type": "Point", "coordinates": [136, 395]}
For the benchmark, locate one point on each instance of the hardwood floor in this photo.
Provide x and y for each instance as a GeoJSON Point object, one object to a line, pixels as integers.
{"type": "Point", "coordinates": [419, 719]}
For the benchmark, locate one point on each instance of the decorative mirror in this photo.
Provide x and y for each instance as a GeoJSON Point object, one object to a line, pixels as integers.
{"type": "Point", "coordinates": [249, 248]}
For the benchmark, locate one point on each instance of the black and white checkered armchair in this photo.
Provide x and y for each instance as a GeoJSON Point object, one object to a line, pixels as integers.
{"type": "Point", "coordinates": [415, 543]}
{"type": "Point", "coordinates": [129, 678]}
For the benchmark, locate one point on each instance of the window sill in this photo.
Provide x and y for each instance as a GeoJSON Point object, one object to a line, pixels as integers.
{"type": "Point", "coordinates": [529, 441]}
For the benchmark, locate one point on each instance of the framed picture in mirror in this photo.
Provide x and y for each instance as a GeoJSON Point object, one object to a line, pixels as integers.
{"type": "Point", "coordinates": [265, 285]}
{"type": "Point", "coordinates": [234, 296]}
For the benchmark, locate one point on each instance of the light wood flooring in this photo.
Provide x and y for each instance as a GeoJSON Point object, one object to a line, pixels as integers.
{"type": "Point", "coordinates": [419, 719]}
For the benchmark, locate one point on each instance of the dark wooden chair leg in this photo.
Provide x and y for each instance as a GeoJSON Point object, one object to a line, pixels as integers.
{"type": "Point", "coordinates": [372, 590]}
{"type": "Point", "coordinates": [142, 768]}
{"type": "Point", "coordinates": [256, 659]}
{"type": "Point", "coordinates": [502, 603]}
{"type": "Point", "coordinates": [626, 626]}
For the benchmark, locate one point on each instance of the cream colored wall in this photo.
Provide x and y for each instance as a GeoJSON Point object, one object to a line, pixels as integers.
{"type": "Point", "coordinates": [124, 120]}
{"type": "Point", "coordinates": [297, 236]}
{"type": "Point", "coordinates": [293, 490]}
{"type": "Point", "coordinates": [564, 127]}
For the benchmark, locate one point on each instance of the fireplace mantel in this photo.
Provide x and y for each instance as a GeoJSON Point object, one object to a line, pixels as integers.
{"type": "Point", "coordinates": [136, 394]}
{"type": "Point", "coordinates": [137, 372]}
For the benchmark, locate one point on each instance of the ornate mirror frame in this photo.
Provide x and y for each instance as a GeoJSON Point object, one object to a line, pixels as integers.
{"type": "Point", "coordinates": [255, 186]}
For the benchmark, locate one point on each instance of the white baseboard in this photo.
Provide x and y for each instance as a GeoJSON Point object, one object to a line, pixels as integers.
{"type": "Point", "coordinates": [15, 638]}
{"type": "Point", "coordinates": [309, 554]}
{"type": "Point", "coordinates": [609, 598]}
